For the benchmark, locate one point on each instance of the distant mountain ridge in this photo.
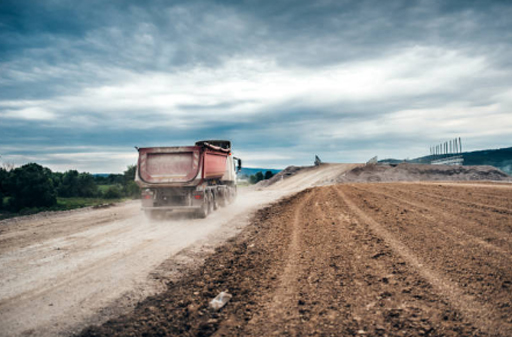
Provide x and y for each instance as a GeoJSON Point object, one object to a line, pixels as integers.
{"type": "Point", "coordinates": [499, 158]}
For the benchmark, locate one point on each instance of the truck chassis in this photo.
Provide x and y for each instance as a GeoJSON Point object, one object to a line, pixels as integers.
{"type": "Point", "coordinates": [201, 200]}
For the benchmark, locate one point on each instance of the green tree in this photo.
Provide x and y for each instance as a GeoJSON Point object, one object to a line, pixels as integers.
{"type": "Point", "coordinates": [69, 184]}
{"type": "Point", "coordinates": [113, 192]}
{"type": "Point", "coordinates": [74, 184]}
{"type": "Point", "coordinates": [269, 174]}
{"type": "Point", "coordinates": [87, 187]}
{"type": "Point", "coordinates": [255, 178]}
{"type": "Point", "coordinates": [3, 185]}
{"type": "Point", "coordinates": [113, 179]}
{"type": "Point", "coordinates": [31, 186]}
{"type": "Point", "coordinates": [130, 188]}
{"type": "Point", "coordinates": [252, 179]}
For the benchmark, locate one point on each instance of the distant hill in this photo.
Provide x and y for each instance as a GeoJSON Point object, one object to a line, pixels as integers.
{"type": "Point", "coordinates": [499, 158]}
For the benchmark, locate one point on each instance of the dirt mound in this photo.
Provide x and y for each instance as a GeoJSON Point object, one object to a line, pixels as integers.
{"type": "Point", "coordinates": [421, 172]}
{"type": "Point", "coordinates": [295, 178]}
{"type": "Point", "coordinates": [284, 174]}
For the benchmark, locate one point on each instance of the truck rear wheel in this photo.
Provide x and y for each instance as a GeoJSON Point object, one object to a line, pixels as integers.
{"type": "Point", "coordinates": [215, 200]}
{"type": "Point", "coordinates": [206, 207]}
{"type": "Point", "coordinates": [211, 202]}
{"type": "Point", "coordinates": [223, 197]}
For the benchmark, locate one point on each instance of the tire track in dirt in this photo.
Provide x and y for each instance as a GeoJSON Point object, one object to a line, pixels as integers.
{"type": "Point", "coordinates": [445, 220]}
{"type": "Point", "coordinates": [424, 190]}
{"type": "Point", "coordinates": [280, 308]}
{"type": "Point", "coordinates": [485, 317]}
{"type": "Point", "coordinates": [501, 225]}
{"type": "Point", "coordinates": [480, 272]}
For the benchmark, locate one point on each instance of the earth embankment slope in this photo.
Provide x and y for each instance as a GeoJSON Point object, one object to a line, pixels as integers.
{"type": "Point", "coordinates": [422, 172]}
{"type": "Point", "coordinates": [353, 259]}
{"type": "Point", "coordinates": [294, 176]}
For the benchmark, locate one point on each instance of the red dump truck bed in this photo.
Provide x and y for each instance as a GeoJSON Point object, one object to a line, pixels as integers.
{"type": "Point", "coordinates": [183, 164]}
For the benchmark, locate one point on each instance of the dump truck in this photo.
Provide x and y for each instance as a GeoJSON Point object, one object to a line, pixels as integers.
{"type": "Point", "coordinates": [194, 179]}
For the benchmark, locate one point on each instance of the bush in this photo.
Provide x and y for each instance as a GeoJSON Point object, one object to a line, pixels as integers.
{"type": "Point", "coordinates": [30, 186]}
{"type": "Point", "coordinates": [253, 179]}
{"type": "Point", "coordinates": [130, 188]}
{"type": "Point", "coordinates": [268, 175]}
{"type": "Point", "coordinates": [3, 185]}
{"type": "Point", "coordinates": [74, 184]}
{"type": "Point", "coordinates": [113, 192]}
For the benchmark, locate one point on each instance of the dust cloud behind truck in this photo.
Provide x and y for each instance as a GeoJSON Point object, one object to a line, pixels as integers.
{"type": "Point", "coordinates": [195, 179]}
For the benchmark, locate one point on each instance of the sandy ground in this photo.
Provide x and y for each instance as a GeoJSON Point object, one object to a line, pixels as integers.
{"type": "Point", "coordinates": [62, 271]}
{"type": "Point", "coordinates": [387, 259]}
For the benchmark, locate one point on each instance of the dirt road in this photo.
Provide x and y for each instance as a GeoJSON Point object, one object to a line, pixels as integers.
{"type": "Point", "coordinates": [398, 259]}
{"type": "Point", "coordinates": [61, 271]}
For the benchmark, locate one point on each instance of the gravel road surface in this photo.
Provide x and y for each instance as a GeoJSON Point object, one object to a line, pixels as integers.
{"type": "Point", "coordinates": [62, 271]}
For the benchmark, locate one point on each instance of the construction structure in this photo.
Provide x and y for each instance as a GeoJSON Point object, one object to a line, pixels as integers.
{"type": "Point", "coordinates": [372, 161]}
{"type": "Point", "coordinates": [447, 153]}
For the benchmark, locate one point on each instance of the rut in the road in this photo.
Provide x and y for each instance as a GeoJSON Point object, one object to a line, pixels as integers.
{"type": "Point", "coordinates": [347, 260]}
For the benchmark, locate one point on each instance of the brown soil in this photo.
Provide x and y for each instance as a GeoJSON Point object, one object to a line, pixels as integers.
{"type": "Point", "coordinates": [421, 172]}
{"type": "Point", "coordinates": [346, 173]}
{"type": "Point", "coordinates": [401, 259]}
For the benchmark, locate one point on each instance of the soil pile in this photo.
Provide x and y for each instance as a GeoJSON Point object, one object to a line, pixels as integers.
{"type": "Point", "coordinates": [351, 259]}
{"type": "Point", "coordinates": [326, 174]}
{"type": "Point", "coordinates": [288, 172]}
{"type": "Point", "coordinates": [420, 172]}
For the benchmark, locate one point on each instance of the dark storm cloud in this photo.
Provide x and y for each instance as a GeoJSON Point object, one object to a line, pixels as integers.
{"type": "Point", "coordinates": [288, 76]}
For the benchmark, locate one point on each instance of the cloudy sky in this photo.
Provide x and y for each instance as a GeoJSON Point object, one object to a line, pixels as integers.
{"type": "Point", "coordinates": [83, 82]}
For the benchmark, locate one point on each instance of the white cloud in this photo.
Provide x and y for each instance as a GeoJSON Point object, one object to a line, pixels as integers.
{"type": "Point", "coordinates": [248, 87]}
{"type": "Point", "coordinates": [32, 113]}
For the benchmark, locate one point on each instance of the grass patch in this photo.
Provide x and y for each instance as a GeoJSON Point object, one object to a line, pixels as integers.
{"type": "Point", "coordinates": [104, 188]}
{"type": "Point", "coordinates": [72, 203]}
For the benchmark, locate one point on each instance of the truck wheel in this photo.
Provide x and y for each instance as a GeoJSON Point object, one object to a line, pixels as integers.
{"type": "Point", "coordinates": [215, 200]}
{"type": "Point", "coordinates": [205, 210]}
{"type": "Point", "coordinates": [232, 195]}
{"type": "Point", "coordinates": [223, 198]}
{"type": "Point", "coordinates": [210, 202]}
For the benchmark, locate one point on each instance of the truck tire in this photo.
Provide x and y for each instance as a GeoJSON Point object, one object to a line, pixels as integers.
{"type": "Point", "coordinates": [206, 207]}
{"type": "Point", "coordinates": [231, 195]}
{"type": "Point", "coordinates": [215, 200]}
{"type": "Point", "coordinates": [203, 212]}
{"type": "Point", "coordinates": [223, 197]}
{"type": "Point", "coordinates": [211, 202]}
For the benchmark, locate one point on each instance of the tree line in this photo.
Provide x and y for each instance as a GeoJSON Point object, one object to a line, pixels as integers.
{"type": "Point", "coordinates": [255, 178]}
{"type": "Point", "coordinates": [34, 186]}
